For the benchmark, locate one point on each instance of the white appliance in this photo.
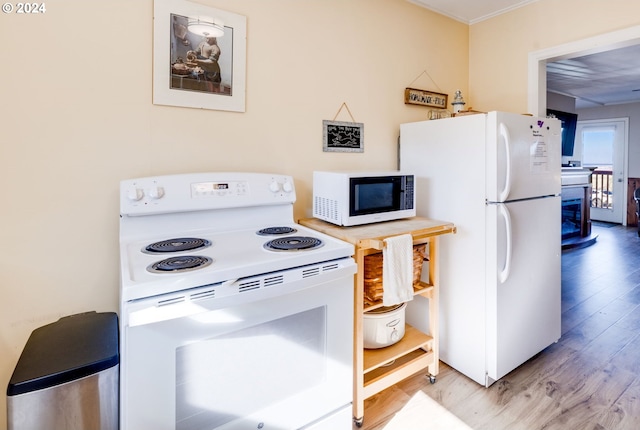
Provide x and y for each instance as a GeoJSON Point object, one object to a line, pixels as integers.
{"type": "Point", "coordinates": [383, 327]}
{"type": "Point", "coordinates": [497, 177]}
{"type": "Point", "coordinates": [355, 198]}
{"type": "Point", "coordinates": [233, 316]}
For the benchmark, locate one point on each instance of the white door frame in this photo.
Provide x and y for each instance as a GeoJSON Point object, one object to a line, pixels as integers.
{"type": "Point", "coordinates": [537, 84]}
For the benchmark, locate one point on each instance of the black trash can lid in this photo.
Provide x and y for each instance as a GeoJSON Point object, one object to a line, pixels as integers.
{"type": "Point", "coordinates": [69, 349]}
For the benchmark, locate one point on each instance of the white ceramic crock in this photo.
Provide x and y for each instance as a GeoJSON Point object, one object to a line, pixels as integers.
{"type": "Point", "coordinates": [383, 326]}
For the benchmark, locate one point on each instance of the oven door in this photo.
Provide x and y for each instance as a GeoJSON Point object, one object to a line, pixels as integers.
{"type": "Point", "coordinates": [276, 358]}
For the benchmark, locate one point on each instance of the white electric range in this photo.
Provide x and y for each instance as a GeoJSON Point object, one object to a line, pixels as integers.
{"type": "Point", "coordinates": [233, 316]}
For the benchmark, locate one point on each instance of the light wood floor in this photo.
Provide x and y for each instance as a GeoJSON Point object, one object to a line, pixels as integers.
{"type": "Point", "coordinates": [589, 380]}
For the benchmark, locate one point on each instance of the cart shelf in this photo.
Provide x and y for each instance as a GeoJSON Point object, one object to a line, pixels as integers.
{"type": "Point", "coordinates": [377, 369]}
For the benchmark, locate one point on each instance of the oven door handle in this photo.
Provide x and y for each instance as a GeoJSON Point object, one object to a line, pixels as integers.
{"type": "Point", "coordinates": [227, 288]}
{"type": "Point", "coordinates": [154, 313]}
{"type": "Point", "coordinates": [149, 312]}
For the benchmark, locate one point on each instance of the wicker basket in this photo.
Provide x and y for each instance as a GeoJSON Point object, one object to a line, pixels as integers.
{"type": "Point", "coordinates": [373, 272]}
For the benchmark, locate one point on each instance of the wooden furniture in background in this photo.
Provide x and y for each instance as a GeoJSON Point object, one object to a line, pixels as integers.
{"type": "Point", "coordinates": [632, 184]}
{"type": "Point", "coordinates": [377, 369]}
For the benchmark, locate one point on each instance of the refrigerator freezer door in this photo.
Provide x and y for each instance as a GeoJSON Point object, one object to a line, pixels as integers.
{"type": "Point", "coordinates": [523, 310]}
{"type": "Point", "coordinates": [523, 157]}
{"type": "Point", "coordinates": [447, 157]}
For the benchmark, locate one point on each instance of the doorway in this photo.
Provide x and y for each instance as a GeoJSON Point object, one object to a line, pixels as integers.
{"type": "Point", "coordinates": [537, 84]}
{"type": "Point", "coordinates": [601, 145]}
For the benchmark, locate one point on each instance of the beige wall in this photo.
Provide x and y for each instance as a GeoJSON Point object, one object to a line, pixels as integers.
{"type": "Point", "coordinates": [77, 117]}
{"type": "Point", "coordinates": [499, 48]}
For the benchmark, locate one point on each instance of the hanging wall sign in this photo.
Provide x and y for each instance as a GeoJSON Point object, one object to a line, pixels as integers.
{"type": "Point", "coordinates": [414, 96]}
{"type": "Point", "coordinates": [341, 136]}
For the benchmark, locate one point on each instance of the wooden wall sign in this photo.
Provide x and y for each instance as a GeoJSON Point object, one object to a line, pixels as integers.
{"type": "Point", "coordinates": [414, 96]}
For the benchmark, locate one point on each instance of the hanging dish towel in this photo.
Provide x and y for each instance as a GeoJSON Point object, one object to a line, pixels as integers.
{"type": "Point", "coordinates": [397, 270]}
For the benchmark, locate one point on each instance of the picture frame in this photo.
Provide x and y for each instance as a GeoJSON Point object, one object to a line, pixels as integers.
{"type": "Point", "coordinates": [182, 76]}
{"type": "Point", "coordinates": [414, 96]}
{"type": "Point", "coordinates": [340, 136]}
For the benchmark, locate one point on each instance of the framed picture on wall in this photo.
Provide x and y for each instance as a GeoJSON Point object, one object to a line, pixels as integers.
{"type": "Point", "coordinates": [339, 136]}
{"type": "Point", "coordinates": [199, 56]}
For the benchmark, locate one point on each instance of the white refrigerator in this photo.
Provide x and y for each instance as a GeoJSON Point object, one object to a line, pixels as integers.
{"type": "Point", "coordinates": [497, 177]}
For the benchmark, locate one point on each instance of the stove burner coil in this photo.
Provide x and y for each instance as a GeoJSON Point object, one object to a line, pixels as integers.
{"type": "Point", "coordinates": [176, 245]}
{"type": "Point", "coordinates": [276, 230]}
{"type": "Point", "coordinates": [293, 243]}
{"type": "Point", "coordinates": [180, 264]}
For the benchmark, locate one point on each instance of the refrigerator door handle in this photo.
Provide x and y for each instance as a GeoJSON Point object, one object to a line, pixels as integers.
{"type": "Point", "coordinates": [504, 273]}
{"type": "Point", "coordinates": [504, 133]}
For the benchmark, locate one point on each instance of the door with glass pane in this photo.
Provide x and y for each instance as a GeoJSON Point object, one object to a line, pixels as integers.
{"type": "Point", "coordinates": [602, 145]}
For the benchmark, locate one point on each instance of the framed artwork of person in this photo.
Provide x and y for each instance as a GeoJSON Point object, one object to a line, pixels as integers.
{"type": "Point", "coordinates": [195, 66]}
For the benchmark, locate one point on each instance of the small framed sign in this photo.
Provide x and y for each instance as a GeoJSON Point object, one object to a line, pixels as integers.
{"type": "Point", "coordinates": [341, 136]}
{"type": "Point", "coordinates": [414, 96]}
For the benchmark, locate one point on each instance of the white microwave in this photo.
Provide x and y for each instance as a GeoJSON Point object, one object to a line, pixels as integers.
{"type": "Point", "coordinates": [355, 198]}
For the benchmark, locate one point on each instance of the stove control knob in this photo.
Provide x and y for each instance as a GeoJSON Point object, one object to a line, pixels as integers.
{"type": "Point", "coordinates": [287, 187]}
{"type": "Point", "coordinates": [274, 186]}
{"type": "Point", "coordinates": [135, 194]}
{"type": "Point", "coordinates": [156, 192]}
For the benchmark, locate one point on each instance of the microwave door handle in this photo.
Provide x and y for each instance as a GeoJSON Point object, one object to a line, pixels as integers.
{"type": "Point", "coordinates": [504, 133]}
{"type": "Point", "coordinates": [504, 273]}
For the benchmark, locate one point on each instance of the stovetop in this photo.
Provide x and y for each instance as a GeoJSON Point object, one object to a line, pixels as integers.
{"type": "Point", "coordinates": [224, 210]}
{"type": "Point", "coordinates": [231, 255]}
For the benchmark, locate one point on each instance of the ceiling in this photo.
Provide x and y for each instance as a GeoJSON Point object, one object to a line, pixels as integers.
{"type": "Point", "coordinates": [471, 11]}
{"type": "Point", "coordinates": [607, 78]}
{"type": "Point", "coordinates": [602, 79]}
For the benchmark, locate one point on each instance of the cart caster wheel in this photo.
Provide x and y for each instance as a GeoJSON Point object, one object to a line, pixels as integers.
{"type": "Point", "coordinates": [358, 421]}
{"type": "Point", "coordinates": [432, 379]}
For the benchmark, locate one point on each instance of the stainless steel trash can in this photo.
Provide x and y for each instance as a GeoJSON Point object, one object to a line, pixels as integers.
{"type": "Point", "coordinates": [67, 376]}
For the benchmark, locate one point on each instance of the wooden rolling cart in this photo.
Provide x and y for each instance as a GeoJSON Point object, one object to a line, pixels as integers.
{"type": "Point", "coordinates": [377, 369]}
